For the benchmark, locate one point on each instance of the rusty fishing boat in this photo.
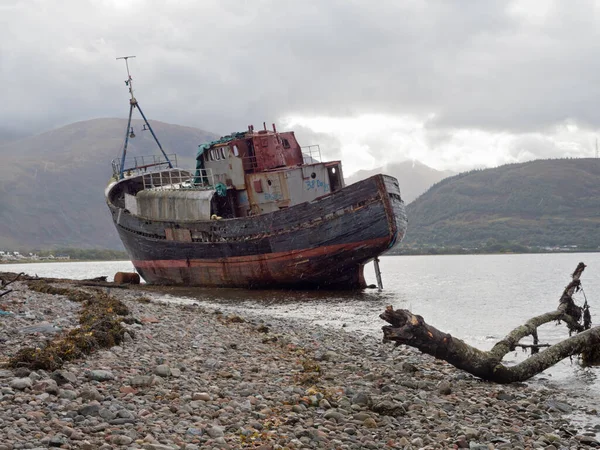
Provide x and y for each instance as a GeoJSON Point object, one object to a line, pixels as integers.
{"type": "Point", "coordinates": [258, 210]}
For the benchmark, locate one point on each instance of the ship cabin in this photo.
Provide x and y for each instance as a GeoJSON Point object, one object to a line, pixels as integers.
{"type": "Point", "coordinates": [256, 172]}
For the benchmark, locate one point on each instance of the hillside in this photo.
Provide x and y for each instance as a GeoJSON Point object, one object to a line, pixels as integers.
{"type": "Point", "coordinates": [414, 177]}
{"type": "Point", "coordinates": [538, 203]}
{"type": "Point", "coordinates": [52, 185]}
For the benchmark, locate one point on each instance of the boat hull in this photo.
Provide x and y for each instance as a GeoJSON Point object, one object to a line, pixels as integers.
{"type": "Point", "coordinates": [320, 244]}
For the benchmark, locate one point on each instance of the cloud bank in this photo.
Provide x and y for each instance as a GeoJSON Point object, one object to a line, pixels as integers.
{"type": "Point", "coordinates": [453, 84]}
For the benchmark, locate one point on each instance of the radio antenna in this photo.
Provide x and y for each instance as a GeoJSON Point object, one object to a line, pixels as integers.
{"type": "Point", "coordinates": [129, 80]}
{"type": "Point", "coordinates": [133, 103]}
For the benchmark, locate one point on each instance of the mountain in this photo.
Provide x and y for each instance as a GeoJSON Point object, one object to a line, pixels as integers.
{"type": "Point", "coordinates": [7, 135]}
{"type": "Point", "coordinates": [52, 185]}
{"type": "Point", "coordinates": [414, 177]}
{"type": "Point", "coordinates": [538, 203]}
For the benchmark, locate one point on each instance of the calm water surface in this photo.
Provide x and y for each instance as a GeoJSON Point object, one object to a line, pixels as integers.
{"type": "Point", "coordinates": [477, 298]}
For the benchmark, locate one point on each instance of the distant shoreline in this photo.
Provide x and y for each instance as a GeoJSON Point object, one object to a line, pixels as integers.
{"type": "Point", "coordinates": [29, 261]}
{"type": "Point", "coordinates": [434, 252]}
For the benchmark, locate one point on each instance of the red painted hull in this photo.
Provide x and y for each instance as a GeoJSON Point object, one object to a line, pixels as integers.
{"type": "Point", "coordinates": [329, 266]}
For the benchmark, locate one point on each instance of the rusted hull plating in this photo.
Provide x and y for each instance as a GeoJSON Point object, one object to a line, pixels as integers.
{"type": "Point", "coordinates": [319, 244]}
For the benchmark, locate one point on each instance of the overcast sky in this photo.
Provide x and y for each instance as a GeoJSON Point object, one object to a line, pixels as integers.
{"type": "Point", "coordinates": [453, 84]}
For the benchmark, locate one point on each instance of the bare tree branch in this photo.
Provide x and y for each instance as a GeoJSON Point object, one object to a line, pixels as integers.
{"type": "Point", "coordinates": [409, 329]}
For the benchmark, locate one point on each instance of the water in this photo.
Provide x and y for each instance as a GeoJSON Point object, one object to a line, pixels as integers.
{"type": "Point", "coordinates": [71, 270]}
{"type": "Point", "coordinates": [477, 298]}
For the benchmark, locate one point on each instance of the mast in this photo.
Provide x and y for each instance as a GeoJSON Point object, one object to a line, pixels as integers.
{"type": "Point", "coordinates": [133, 103]}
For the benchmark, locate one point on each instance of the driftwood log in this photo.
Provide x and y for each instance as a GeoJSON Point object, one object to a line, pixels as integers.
{"type": "Point", "coordinates": [4, 284]}
{"type": "Point", "coordinates": [409, 329]}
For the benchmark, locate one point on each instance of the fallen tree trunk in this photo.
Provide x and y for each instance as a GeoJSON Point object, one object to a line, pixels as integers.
{"type": "Point", "coordinates": [409, 329]}
{"type": "Point", "coordinates": [4, 283]}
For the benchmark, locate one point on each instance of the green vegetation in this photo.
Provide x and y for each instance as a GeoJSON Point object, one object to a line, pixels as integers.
{"type": "Point", "coordinates": [100, 327]}
{"type": "Point", "coordinates": [544, 205]}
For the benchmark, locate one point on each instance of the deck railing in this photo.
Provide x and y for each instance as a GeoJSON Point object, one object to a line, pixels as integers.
{"type": "Point", "coordinates": [178, 179]}
{"type": "Point", "coordinates": [144, 164]}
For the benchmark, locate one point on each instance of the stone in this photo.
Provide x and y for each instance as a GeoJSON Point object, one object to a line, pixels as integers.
{"type": "Point", "coordinates": [21, 383]}
{"type": "Point", "coordinates": [162, 370]}
{"type": "Point", "coordinates": [505, 397]}
{"type": "Point", "coordinates": [407, 367]}
{"type": "Point", "coordinates": [205, 397]}
{"type": "Point", "coordinates": [41, 327]}
{"type": "Point", "coordinates": [333, 414]}
{"type": "Point", "coordinates": [91, 409]}
{"type": "Point", "coordinates": [362, 398]}
{"type": "Point", "coordinates": [91, 393]}
{"type": "Point", "coordinates": [444, 387]}
{"type": "Point", "coordinates": [106, 414]}
{"type": "Point", "coordinates": [101, 375]}
{"type": "Point", "coordinates": [323, 403]}
{"type": "Point", "coordinates": [215, 431]}
{"type": "Point", "coordinates": [121, 439]}
{"type": "Point", "coordinates": [22, 372]}
{"type": "Point", "coordinates": [63, 377]}
{"type": "Point", "coordinates": [477, 446]}
{"type": "Point", "coordinates": [57, 440]}
{"type": "Point", "coordinates": [46, 385]}
{"type": "Point", "coordinates": [141, 380]}
{"type": "Point", "coordinates": [560, 406]}
{"type": "Point", "coordinates": [149, 319]}
{"type": "Point", "coordinates": [587, 440]}
{"type": "Point", "coordinates": [127, 390]}
{"type": "Point", "coordinates": [67, 393]}
{"type": "Point", "coordinates": [470, 433]}
{"type": "Point", "coordinates": [417, 442]}
{"type": "Point", "coordinates": [6, 373]}
{"type": "Point", "coordinates": [369, 422]}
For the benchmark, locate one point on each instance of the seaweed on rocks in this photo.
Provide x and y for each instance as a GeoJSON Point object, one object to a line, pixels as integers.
{"type": "Point", "coordinates": [99, 327]}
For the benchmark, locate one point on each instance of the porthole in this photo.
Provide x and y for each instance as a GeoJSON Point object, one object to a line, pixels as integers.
{"type": "Point", "coordinates": [313, 175]}
{"type": "Point", "coordinates": [269, 182]}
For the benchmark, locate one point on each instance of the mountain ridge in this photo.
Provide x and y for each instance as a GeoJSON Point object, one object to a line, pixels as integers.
{"type": "Point", "coordinates": [539, 203]}
{"type": "Point", "coordinates": [52, 184]}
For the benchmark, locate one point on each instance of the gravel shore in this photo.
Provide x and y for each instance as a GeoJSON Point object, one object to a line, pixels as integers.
{"type": "Point", "coordinates": [188, 377]}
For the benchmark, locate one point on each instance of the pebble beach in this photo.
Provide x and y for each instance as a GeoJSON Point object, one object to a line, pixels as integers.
{"type": "Point", "coordinates": [189, 377]}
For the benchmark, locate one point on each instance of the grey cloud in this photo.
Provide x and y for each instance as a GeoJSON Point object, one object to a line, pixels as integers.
{"type": "Point", "coordinates": [219, 65]}
{"type": "Point", "coordinates": [330, 145]}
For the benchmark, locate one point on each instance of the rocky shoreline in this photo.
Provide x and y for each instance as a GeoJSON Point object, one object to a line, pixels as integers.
{"type": "Point", "coordinates": [189, 377]}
